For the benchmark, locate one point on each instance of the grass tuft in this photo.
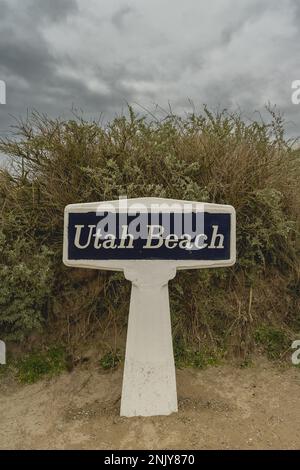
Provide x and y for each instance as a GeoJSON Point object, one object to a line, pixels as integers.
{"type": "Point", "coordinates": [35, 366]}
{"type": "Point", "coordinates": [110, 360]}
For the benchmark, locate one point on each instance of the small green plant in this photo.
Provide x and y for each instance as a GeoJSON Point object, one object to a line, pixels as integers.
{"type": "Point", "coordinates": [3, 370]}
{"type": "Point", "coordinates": [186, 357]}
{"type": "Point", "coordinates": [197, 359]}
{"type": "Point", "coordinates": [37, 365]}
{"type": "Point", "coordinates": [110, 360]}
{"type": "Point", "coordinates": [246, 363]}
{"type": "Point", "coordinates": [273, 340]}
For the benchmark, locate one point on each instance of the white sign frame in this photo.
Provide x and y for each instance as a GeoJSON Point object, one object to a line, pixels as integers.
{"type": "Point", "coordinates": [116, 265]}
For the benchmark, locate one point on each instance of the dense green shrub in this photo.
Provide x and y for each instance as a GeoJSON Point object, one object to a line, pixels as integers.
{"type": "Point", "coordinates": [214, 157]}
{"type": "Point", "coordinates": [25, 286]}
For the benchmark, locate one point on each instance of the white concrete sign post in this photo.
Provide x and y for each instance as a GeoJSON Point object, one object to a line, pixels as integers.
{"type": "Point", "coordinates": [149, 239]}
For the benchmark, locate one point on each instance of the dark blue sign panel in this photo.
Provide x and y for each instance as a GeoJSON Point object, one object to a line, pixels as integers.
{"type": "Point", "coordinates": [160, 236]}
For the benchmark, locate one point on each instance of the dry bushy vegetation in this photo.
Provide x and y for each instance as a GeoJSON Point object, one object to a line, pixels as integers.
{"type": "Point", "coordinates": [213, 157]}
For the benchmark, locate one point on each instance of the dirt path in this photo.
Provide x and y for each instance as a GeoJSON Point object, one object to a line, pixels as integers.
{"type": "Point", "coordinates": [220, 408]}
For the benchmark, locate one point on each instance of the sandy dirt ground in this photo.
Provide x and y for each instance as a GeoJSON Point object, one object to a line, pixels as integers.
{"type": "Point", "coordinates": [219, 408]}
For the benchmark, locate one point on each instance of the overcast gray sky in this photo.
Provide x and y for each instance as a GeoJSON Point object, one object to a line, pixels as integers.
{"type": "Point", "coordinates": [97, 54]}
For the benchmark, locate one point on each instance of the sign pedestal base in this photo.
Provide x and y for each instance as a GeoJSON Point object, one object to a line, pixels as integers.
{"type": "Point", "coordinates": [149, 382]}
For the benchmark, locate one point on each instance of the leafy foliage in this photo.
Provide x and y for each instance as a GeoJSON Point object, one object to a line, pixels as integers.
{"type": "Point", "coordinates": [214, 157]}
{"type": "Point", "coordinates": [110, 360]}
{"type": "Point", "coordinates": [273, 340]}
{"type": "Point", "coordinates": [25, 286]}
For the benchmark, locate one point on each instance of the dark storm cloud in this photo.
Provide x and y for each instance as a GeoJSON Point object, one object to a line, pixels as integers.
{"type": "Point", "coordinates": [52, 10]}
{"type": "Point", "coordinates": [30, 68]}
{"type": "Point", "coordinates": [119, 17]}
{"type": "Point", "coordinates": [296, 9]}
{"type": "Point", "coordinates": [28, 58]}
{"type": "Point", "coordinates": [24, 51]}
{"type": "Point", "coordinates": [99, 55]}
{"type": "Point", "coordinates": [4, 9]}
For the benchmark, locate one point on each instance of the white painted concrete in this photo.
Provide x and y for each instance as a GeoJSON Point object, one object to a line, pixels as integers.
{"type": "Point", "coordinates": [149, 382]}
